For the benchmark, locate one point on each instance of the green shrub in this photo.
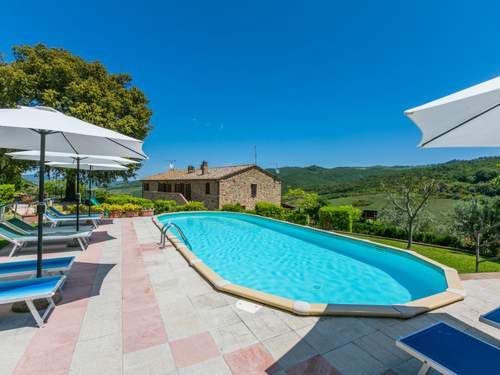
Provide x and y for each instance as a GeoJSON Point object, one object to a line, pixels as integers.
{"type": "Point", "coordinates": [269, 210]}
{"type": "Point", "coordinates": [338, 217]}
{"type": "Point", "coordinates": [162, 206]}
{"type": "Point", "coordinates": [128, 199]}
{"type": "Point", "coordinates": [101, 195]}
{"type": "Point", "coordinates": [233, 207]}
{"type": "Point", "coordinates": [7, 193]}
{"type": "Point", "coordinates": [130, 207]}
{"type": "Point", "coordinates": [71, 208]}
{"type": "Point", "coordinates": [297, 217]}
{"type": "Point", "coordinates": [192, 206]}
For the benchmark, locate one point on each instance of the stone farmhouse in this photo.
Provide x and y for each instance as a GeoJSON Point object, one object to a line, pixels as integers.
{"type": "Point", "coordinates": [215, 186]}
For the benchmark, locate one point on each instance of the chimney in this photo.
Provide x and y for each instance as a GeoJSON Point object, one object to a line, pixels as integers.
{"type": "Point", "coordinates": [190, 169]}
{"type": "Point", "coordinates": [204, 167]}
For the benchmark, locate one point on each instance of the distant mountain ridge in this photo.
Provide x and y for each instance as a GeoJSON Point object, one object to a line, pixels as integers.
{"type": "Point", "coordinates": [368, 179]}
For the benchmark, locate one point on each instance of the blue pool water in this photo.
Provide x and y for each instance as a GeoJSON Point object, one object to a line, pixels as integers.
{"type": "Point", "coordinates": [305, 264]}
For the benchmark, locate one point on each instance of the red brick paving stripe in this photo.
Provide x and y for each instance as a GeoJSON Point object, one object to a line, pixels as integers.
{"type": "Point", "coordinates": [193, 349]}
{"type": "Point", "coordinates": [51, 349]}
{"type": "Point", "coordinates": [251, 360]}
{"type": "Point", "coordinates": [142, 322]}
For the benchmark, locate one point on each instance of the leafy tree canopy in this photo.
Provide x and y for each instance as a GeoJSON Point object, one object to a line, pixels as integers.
{"type": "Point", "coordinates": [54, 77]}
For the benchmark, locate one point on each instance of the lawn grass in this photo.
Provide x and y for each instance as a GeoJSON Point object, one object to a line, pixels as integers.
{"type": "Point", "coordinates": [440, 208]}
{"type": "Point", "coordinates": [462, 262]}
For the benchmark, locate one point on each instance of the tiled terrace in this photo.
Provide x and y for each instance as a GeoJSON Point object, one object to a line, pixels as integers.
{"type": "Point", "coordinates": [132, 308]}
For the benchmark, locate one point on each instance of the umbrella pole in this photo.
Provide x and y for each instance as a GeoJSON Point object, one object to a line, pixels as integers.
{"type": "Point", "coordinates": [41, 204]}
{"type": "Point", "coordinates": [90, 187]}
{"type": "Point", "coordinates": [77, 194]}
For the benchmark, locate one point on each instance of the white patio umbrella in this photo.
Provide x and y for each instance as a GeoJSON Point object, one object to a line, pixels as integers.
{"type": "Point", "coordinates": [76, 159]}
{"type": "Point", "coordinates": [45, 129]}
{"type": "Point", "coordinates": [64, 157]}
{"type": "Point", "coordinates": [88, 167]}
{"type": "Point", "coordinates": [467, 118]}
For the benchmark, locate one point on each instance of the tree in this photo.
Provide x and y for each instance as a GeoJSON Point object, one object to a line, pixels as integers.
{"type": "Point", "coordinates": [479, 221]}
{"type": "Point", "coordinates": [54, 77]}
{"type": "Point", "coordinates": [310, 203]}
{"type": "Point", "coordinates": [408, 197]}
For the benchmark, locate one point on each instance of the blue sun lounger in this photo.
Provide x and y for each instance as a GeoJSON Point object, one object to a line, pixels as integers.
{"type": "Point", "coordinates": [58, 213]}
{"type": "Point", "coordinates": [492, 318]}
{"type": "Point", "coordinates": [451, 351]}
{"type": "Point", "coordinates": [28, 267]}
{"type": "Point", "coordinates": [55, 220]}
{"type": "Point", "coordinates": [28, 290]}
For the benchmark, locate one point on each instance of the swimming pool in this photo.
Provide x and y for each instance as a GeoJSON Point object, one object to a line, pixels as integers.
{"type": "Point", "coordinates": [304, 265]}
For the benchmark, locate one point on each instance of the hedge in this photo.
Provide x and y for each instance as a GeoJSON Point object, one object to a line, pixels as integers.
{"type": "Point", "coordinates": [163, 205]}
{"type": "Point", "coordinates": [233, 207]}
{"type": "Point", "coordinates": [338, 217]}
{"type": "Point", "coordinates": [297, 217]}
{"type": "Point", "coordinates": [269, 210]}
{"type": "Point", "coordinates": [192, 206]}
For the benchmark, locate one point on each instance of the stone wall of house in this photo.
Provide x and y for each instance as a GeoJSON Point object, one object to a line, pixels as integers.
{"type": "Point", "coordinates": [198, 192]}
{"type": "Point", "coordinates": [237, 189]}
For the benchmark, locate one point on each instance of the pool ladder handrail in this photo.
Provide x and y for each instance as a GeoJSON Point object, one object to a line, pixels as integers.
{"type": "Point", "coordinates": [164, 229]}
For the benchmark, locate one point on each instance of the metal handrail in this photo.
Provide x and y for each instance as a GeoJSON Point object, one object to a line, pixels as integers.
{"type": "Point", "coordinates": [164, 229]}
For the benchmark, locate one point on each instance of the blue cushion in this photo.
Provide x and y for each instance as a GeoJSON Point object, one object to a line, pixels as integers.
{"type": "Point", "coordinates": [28, 288]}
{"type": "Point", "coordinates": [30, 265]}
{"type": "Point", "coordinates": [455, 350]}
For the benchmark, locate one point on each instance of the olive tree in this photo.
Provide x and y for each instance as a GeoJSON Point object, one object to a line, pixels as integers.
{"type": "Point", "coordinates": [479, 221]}
{"type": "Point", "coordinates": [407, 198]}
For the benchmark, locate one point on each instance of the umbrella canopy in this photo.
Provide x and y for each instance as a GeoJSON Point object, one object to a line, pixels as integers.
{"type": "Point", "coordinates": [65, 158]}
{"type": "Point", "coordinates": [89, 166]}
{"type": "Point", "coordinates": [45, 129]}
{"type": "Point", "coordinates": [468, 118]}
{"type": "Point", "coordinates": [20, 128]}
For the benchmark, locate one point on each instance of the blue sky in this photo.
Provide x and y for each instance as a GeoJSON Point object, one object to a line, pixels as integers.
{"type": "Point", "coordinates": [323, 82]}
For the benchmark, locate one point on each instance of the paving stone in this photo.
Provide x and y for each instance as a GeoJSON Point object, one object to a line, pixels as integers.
{"type": "Point", "coordinates": [215, 366]}
{"type": "Point", "coordinates": [265, 326]}
{"type": "Point", "coordinates": [153, 360]}
{"type": "Point", "coordinates": [352, 360]}
{"type": "Point", "coordinates": [289, 349]}
{"type": "Point", "coordinates": [382, 348]}
{"type": "Point", "coordinates": [218, 317]}
{"type": "Point", "coordinates": [252, 360]}
{"type": "Point", "coordinates": [208, 301]}
{"type": "Point", "coordinates": [233, 337]}
{"type": "Point", "coordinates": [333, 333]}
{"type": "Point", "coordinates": [183, 325]}
{"type": "Point", "coordinates": [316, 365]}
{"type": "Point", "coordinates": [193, 349]}
{"type": "Point", "coordinates": [98, 356]}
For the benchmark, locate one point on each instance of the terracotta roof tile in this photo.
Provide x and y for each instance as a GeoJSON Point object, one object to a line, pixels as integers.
{"type": "Point", "coordinates": [214, 173]}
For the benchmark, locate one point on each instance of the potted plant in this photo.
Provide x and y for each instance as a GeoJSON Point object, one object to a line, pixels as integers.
{"type": "Point", "coordinates": [147, 209]}
{"type": "Point", "coordinates": [130, 210]}
{"type": "Point", "coordinates": [115, 210]}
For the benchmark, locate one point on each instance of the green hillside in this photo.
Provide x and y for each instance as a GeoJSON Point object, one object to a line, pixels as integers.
{"type": "Point", "coordinates": [459, 178]}
{"type": "Point", "coordinates": [131, 188]}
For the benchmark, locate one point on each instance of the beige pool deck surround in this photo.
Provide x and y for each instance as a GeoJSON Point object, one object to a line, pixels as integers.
{"type": "Point", "coordinates": [455, 291]}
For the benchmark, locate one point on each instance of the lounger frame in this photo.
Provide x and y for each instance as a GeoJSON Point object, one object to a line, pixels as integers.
{"type": "Point", "coordinates": [428, 363]}
{"type": "Point", "coordinates": [40, 319]}
{"type": "Point", "coordinates": [18, 244]}
{"type": "Point", "coordinates": [54, 221]}
{"type": "Point", "coordinates": [485, 320]}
